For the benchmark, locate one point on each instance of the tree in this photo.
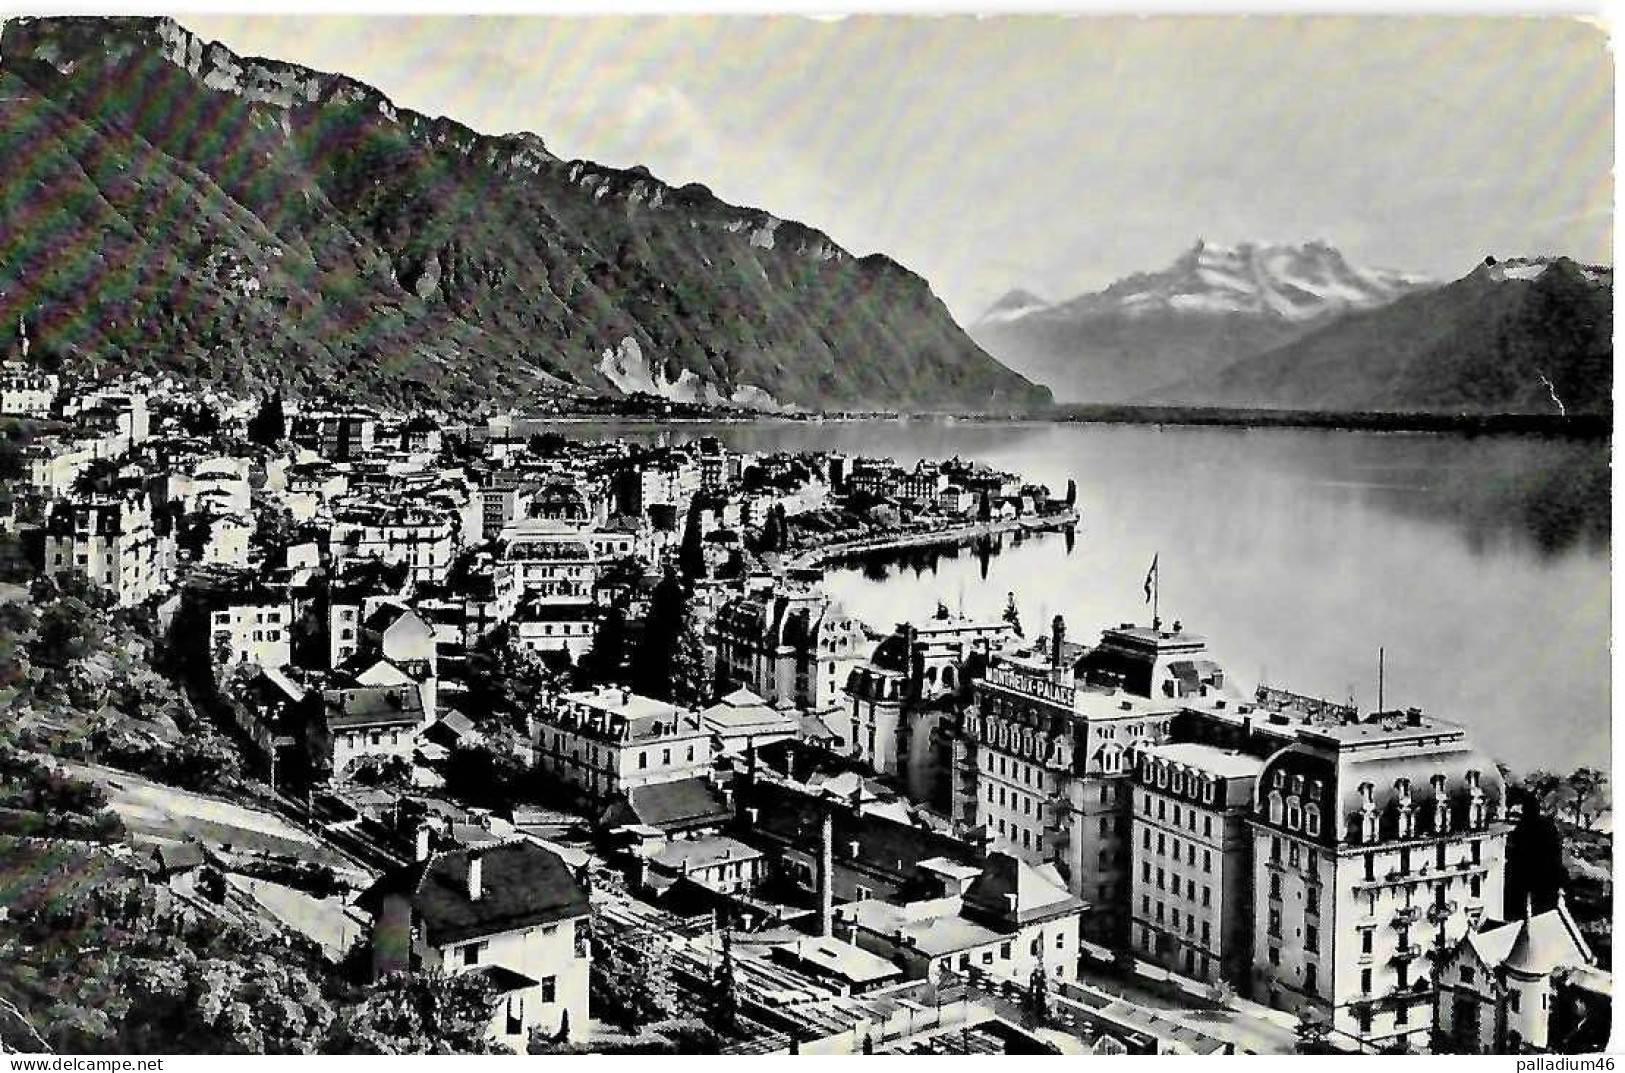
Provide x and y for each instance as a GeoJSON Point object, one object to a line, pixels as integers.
{"type": "Point", "coordinates": [1587, 791]}
{"type": "Point", "coordinates": [691, 553]}
{"type": "Point", "coordinates": [1311, 1031]}
{"type": "Point", "coordinates": [605, 660]}
{"type": "Point", "coordinates": [419, 1013]}
{"type": "Point", "coordinates": [1035, 1003]}
{"type": "Point", "coordinates": [269, 424]}
{"type": "Point", "coordinates": [772, 536]}
{"type": "Point", "coordinates": [1071, 492]}
{"type": "Point", "coordinates": [691, 680]}
{"type": "Point", "coordinates": [1540, 791]}
{"type": "Point", "coordinates": [1012, 614]}
{"type": "Point", "coordinates": [724, 996]}
{"type": "Point", "coordinates": [668, 613]}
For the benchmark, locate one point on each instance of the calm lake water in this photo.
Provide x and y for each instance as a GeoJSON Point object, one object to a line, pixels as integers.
{"type": "Point", "coordinates": [1481, 565]}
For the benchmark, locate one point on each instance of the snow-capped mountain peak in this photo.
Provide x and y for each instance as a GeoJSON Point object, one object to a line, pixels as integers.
{"type": "Point", "coordinates": [1296, 283]}
{"type": "Point", "coordinates": [1017, 303]}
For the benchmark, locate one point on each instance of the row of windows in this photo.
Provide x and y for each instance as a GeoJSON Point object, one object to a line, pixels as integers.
{"type": "Point", "coordinates": [1182, 816]}
{"type": "Point", "coordinates": [1171, 916]}
{"type": "Point", "coordinates": [1169, 846]}
{"type": "Point", "coordinates": [1172, 885]}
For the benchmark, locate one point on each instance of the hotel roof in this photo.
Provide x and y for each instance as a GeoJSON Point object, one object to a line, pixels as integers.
{"type": "Point", "coordinates": [1225, 763]}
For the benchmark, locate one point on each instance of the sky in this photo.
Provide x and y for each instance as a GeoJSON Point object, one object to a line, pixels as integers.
{"type": "Point", "coordinates": [1052, 153]}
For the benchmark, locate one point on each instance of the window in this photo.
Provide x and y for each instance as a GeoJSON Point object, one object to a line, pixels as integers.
{"type": "Point", "coordinates": [1275, 955]}
{"type": "Point", "coordinates": [1004, 951]}
{"type": "Point", "coordinates": [862, 893]}
{"type": "Point", "coordinates": [471, 953]}
{"type": "Point", "coordinates": [1477, 851]}
{"type": "Point", "coordinates": [1309, 977]}
{"type": "Point", "coordinates": [550, 989]}
{"type": "Point", "coordinates": [1371, 866]}
{"type": "Point", "coordinates": [1365, 981]}
{"type": "Point", "coordinates": [1275, 922]}
{"type": "Point", "coordinates": [1466, 974]}
{"type": "Point", "coordinates": [1311, 939]}
{"type": "Point", "coordinates": [1207, 861]}
{"type": "Point", "coordinates": [643, 761]}
{"type": "Point", "coordinates": [1512, 1000]}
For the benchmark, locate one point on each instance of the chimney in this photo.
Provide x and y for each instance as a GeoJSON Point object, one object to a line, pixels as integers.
{"type": "Point", "coordinates": [1057, 636]}
{"type": "Point", "coordinates": [422, 849]}
{"type": "Point", "coordinates": [826, 870]}
{"type": "Point", "coordinates": [475, 877]}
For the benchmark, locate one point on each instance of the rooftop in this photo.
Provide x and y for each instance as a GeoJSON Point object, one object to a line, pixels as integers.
{"type": "Point", "coordinates": [1225, 763]}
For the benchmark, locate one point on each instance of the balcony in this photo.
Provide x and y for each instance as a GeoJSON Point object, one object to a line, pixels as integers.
{"type": "Point", "coordinates": [1441, 911]}
{"type": "Point", "coordinates": [1408, 952]}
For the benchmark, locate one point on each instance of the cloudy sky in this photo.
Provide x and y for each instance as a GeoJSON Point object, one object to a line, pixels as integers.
{"type": "Point", "coordinates": [1051, 153]}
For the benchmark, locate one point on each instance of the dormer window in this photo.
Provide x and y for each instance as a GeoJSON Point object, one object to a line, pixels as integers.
{"type": "Point", "coordinates": [1311, 820]}
{"type": "Point", "coordinates": [1294, 813]}
{"type": "Point", "coordinates": [1276, 806]}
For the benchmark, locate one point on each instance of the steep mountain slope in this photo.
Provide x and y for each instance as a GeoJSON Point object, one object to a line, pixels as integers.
{"type": "Point", "coordinates": [1526, 336]}
{"type": "Point", "coordinates": [1211, 307]}
{"type": "Point", "coordinates": [172, 206]}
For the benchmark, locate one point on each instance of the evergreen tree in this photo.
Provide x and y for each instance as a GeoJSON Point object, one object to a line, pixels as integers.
{"type": "Point", "coordinates": [725, 992]}
{"type": "Point", "coordinates": [1035, 1003]}
{"type": "Point", "coordinates": [691, 553]}
{"type": "Point", "coordinates": [269, 425]}
{"type": "Point", "coordinates": [1012, 614]}
{"type": "Point", "coordinates": [691, 679]}
{"type": "Point", "coordinates": [604, 660]}
{"type": "Point", "coordinates": [771, 535]}
{"type": "Point", "coordinates": [668, 611]}
{"type": "Point", "coordinates": [783, 527]}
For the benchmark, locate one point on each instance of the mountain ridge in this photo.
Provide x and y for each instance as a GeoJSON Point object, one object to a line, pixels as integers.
{"type": "Point", "coordinates": [1212, 305]}
{"type": "Point", "coordinates": [1526, 335]}
{"type": "Point", "coordinates": [411, 248]}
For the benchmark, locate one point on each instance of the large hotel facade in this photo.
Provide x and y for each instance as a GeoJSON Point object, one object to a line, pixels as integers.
{"type": "Point", "coordinates": [1317, 861]}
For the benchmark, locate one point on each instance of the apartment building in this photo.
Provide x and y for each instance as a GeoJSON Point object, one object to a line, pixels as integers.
{"type": "Point", "coordinates": [605, 741]}
{"type": "Point", "coordinates": [1191, 895]}
{"type": "Point", "coordinates": [109, 540]}
{"type": "Point", "coordinates": [1377, 845]}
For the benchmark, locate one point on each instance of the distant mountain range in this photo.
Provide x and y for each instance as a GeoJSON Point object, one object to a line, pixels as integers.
{"type": "Point", "coordinates": [1213, 306]}
{"type": "Point", "coordinates": [173, 206]}
{"type": "Point", "coordinates": [1298, 327]}
{"type": "Point", "coordinates": [1522, 336]}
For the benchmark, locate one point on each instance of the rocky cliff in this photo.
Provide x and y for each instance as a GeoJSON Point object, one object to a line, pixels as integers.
{"type": "Point", "coordinates": [171, 205]}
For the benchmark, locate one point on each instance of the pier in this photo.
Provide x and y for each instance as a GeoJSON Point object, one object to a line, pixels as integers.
{"type": "Point", "coordinates": [935, 538]}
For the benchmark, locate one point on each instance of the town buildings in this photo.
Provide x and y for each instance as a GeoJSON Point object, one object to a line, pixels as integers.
{"type": "Point", "coordinates": [513, 913]}
{"type": "Point", "coordinates": [1530, 984]}
{"type": "Point", "coordinates": [792, 646]}
{"type": "Point", "coordinates": [606, 741]}
{"type": "Point", "coordinates": [111, 541]}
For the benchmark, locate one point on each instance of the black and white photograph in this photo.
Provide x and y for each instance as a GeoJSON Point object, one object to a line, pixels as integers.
{"type": "Point", "coordinates": [805, 533]}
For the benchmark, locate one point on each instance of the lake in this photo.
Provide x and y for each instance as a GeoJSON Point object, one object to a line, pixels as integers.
{"type": "Point", "coordinates": [1481, 565]}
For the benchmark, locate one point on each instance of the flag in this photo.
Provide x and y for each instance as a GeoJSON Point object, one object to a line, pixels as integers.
{"type": "Point", "coordinates": [1151, 577]}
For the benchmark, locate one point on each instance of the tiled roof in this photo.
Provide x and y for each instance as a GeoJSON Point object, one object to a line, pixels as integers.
{"type": "Point", "coordinates": [522, 886]}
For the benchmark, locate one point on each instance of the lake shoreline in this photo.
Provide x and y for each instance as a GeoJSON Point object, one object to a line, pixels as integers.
{"type": "Point", "coordinates": [1577, 427]}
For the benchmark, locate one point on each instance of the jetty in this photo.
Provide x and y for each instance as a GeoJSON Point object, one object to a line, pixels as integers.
{"type": "Point", "coordinates": [950, 536]}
